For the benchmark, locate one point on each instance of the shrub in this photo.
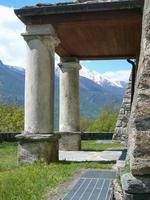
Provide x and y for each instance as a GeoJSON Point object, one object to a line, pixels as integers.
{"type": "Point", "coordinates": [106, 120]}
{"type": "Point", "coordinates": [85, 124]}
{"type": "Point", "coordinates": [11, 118]}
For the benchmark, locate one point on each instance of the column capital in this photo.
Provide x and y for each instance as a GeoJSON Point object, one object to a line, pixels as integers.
{"type": "Point", "coordinates": [42, 32]}
{"type": "Point", "coordinates": [69, 64]}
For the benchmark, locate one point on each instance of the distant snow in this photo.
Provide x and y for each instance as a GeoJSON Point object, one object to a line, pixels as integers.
{"type": "Point", "coordinates": [100, 79]}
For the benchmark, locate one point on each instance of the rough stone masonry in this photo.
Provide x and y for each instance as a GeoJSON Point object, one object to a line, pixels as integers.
{"type": "Point", "coordinates": [139, 123]}
{"type": "Point", "coordinates": [136, 183]}
{"type": "Point", "coordinates": [121, 133]}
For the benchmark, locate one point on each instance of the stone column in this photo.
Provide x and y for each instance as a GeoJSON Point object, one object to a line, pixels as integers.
{"type": "Point", "coordinates": [136, 183]}
{"type": "Point", "coordinates": [69, 116]}
{"type": "Point", "coordinates": [37, 142]}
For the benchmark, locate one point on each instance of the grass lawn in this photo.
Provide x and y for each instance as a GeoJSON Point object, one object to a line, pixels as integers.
{"type": "Point", "coordinates": [91, 145]}
{"type": "Point", "coordinates": [8, 155]}
{"type": "Point", "coordinates": [34, 182]}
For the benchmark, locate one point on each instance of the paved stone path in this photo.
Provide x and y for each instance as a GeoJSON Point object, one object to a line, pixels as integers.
{"type": "Point", "coordinates": [110, 155]}
{"type": "Point", "coordinates": [104, 142]}
{"type": "Point", "coordinates": [93, 185]}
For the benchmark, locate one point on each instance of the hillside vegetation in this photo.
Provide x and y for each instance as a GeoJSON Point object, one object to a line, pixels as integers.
{"type": "Point", "coordinates": [93, 96]}
{"type": "Point", "coordinates": [106, 121]}
{"type": "Point", "coordinates": [12, 120]}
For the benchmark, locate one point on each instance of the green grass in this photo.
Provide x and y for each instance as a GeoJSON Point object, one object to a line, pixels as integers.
{"type": "Point", "coordinates": [33, 182]}
{"type": "Point", "coordinates": [91, 145]}
{"type": "Point", "coordinates": [8, 155]}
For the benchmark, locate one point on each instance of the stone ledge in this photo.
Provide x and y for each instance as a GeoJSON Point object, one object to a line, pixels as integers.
{"type": "Point", "coordinates": [67, 133]}
{"type": "Point", "coordinates": [135, 185]}
{"type": "Point", "coordinates": [24, 137]}
{"type": "Point", "coordinates": [132, 188]}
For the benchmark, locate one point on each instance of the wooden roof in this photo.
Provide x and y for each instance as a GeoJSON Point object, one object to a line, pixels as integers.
{"type": "Point", "coordinates": [93, 30]}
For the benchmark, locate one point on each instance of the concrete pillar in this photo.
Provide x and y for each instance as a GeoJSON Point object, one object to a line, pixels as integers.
{"type": "Point", "coordinates": [39, 96]}
{"type": "Point", "coordinates": [69, 116]}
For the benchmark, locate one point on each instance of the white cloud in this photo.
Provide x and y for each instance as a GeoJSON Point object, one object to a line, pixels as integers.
{"type": "Point", "coordinates": [12, 45]}
{"type": "Point", "coordinates": [122, 75]}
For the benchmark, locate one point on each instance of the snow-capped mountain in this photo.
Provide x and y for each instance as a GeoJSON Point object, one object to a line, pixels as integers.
{"type": "Point", "coordinates": [99, 78]}
{"type": "Point", "coordinates": [96, 91]}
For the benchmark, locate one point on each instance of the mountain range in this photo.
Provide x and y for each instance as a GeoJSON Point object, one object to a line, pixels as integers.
{"type": "Point", "coordinates": [96, 90]}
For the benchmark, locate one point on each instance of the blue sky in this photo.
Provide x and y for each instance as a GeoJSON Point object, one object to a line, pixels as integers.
{"type": "Point", "coordinates": [9, 23]}
{"type": "Point", "coordinates": [107, 65]}
{"type": "Point", "coordinates": [20, 3]}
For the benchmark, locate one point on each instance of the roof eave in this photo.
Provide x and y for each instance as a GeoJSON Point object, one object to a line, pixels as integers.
{"type": "Point", "coordinates": [76, 8]}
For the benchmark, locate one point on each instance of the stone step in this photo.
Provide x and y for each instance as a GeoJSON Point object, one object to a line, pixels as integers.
{"type": "Point", "coordinates": [92, 156]}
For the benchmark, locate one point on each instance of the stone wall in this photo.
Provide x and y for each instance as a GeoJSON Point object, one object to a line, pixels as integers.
{"type": "Point", "coordinates": [96, 136]}
{"type": "Point", "coordinates": [139, 123]}
{"type": "Point", "coordinates": [136, 182]}
{"type": "Point", "coordinates": [8, 137]}
{"type": "Point", "coordinates": [120, 133]}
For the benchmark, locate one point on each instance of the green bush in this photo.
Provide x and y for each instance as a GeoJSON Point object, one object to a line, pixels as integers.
{"type": "Point", "coordinates": [85, 124]}
{"type": "Point", "coordinates": [11, 118]}
{"type": "Point", "coordinates": [106, 120]}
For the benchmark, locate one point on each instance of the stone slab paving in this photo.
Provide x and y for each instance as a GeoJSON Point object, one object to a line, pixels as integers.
{"type": "Point", "coordinates": [90, 156]}
{"type": "Point", "coordinates": [104, 142]}
{"type": "Point", "coordinates": [93, 185]}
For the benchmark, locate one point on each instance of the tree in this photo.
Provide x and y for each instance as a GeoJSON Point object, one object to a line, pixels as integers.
{"type": "Point", "coordinates": [85, 124]}
{"type": "Point", "coordinates": [106, 120]}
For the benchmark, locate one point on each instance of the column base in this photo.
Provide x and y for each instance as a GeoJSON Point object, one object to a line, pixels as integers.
{"type": "Point", "coordinates": [37, 148]}
{"type": "Point", "coordinates": [135, 188]}
{"type": "Point", "coordinates": [70, 141]}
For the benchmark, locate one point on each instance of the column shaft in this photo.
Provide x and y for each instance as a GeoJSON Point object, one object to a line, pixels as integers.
{"type": "Point", "coordinates": [37, 144]}
{"type": "Point", "coordinates": [69, 100]}
{"type": "Point", "coordinates": [39, 88]}
{"type": "Point", "coordinates": [69, 116]}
